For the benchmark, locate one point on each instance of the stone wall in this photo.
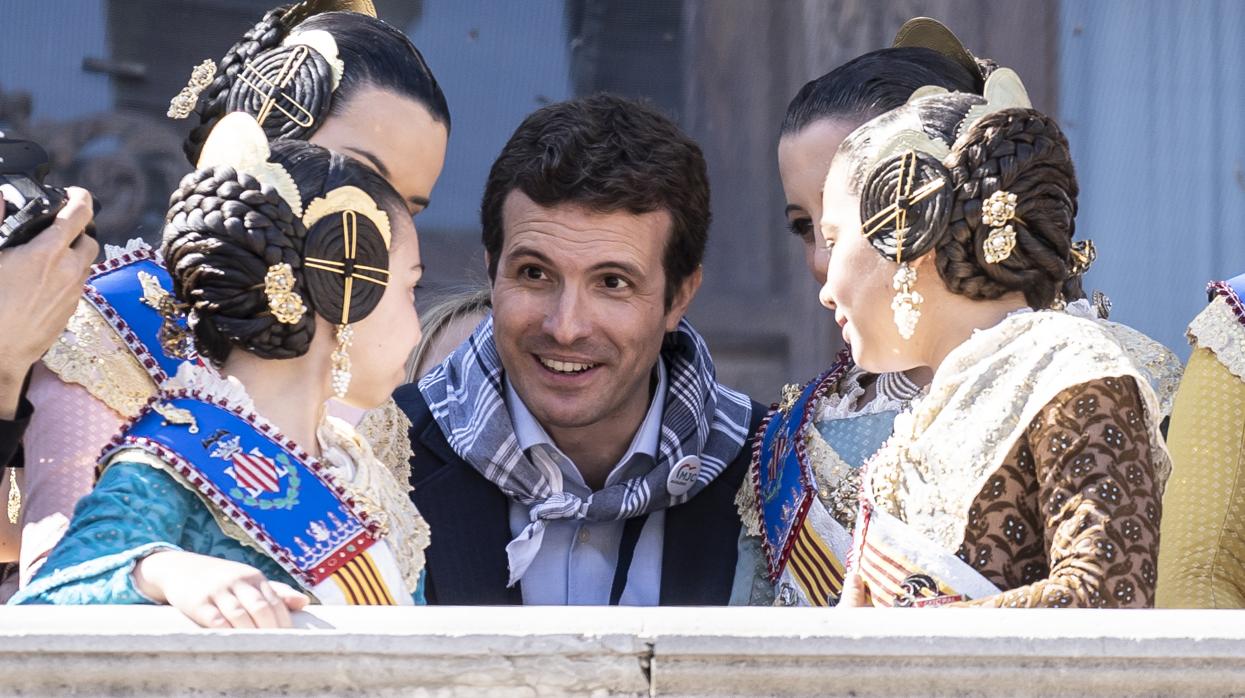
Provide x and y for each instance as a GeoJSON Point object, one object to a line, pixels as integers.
{"type": "Point", "coordinates": [144, 651]}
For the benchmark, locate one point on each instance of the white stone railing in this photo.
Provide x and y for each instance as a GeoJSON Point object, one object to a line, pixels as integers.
{"type": "Point", "coordinates": [142, 651]}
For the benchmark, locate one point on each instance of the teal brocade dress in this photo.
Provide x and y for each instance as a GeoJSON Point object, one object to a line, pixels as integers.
{"type": "Point", "coordinates": [135, 510]}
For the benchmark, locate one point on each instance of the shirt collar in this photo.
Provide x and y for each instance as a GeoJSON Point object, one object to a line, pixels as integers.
{"type": "Point", "coordinates": [529, 432]}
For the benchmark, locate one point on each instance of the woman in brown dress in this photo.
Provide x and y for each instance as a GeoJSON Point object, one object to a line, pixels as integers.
{"type": "Point", "coordinates": [1031, 472]}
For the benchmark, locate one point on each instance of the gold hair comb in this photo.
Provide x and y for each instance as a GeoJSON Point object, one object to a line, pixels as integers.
{"type": "Point", "coordinates": [184, 102]}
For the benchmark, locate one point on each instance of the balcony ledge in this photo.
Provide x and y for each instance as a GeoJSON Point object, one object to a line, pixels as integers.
{"type": "Point", "coordinates": [140, 651]}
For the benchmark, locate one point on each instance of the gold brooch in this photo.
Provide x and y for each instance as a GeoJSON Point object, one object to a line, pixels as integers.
{"type": "Point", "coordinates": [286, 305]}
{"type": "Point", "coordinates": [184, 102]}
{"type": "Point", "coordinates": [996, 211]}
{"type": "Point", "coordinates": [176, 415]}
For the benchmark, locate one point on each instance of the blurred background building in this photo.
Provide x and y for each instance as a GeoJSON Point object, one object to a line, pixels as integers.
{"type": "Point", "coordinates": [1149, 91]}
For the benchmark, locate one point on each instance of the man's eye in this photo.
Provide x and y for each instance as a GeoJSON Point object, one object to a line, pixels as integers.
{"type": "Point", "coordinates": [532, 273]}
{"type": "Point", "coordinates": [615, 282]}
{"type": "Point", "coordinates": [802, 228]}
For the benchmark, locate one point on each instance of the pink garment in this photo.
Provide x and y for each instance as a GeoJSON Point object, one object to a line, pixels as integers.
{"type": "Point", "coordinates": [67, 432]}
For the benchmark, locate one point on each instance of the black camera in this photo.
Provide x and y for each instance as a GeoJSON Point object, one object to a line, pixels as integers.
{"type": "Point", "coordinates": [30, 206]}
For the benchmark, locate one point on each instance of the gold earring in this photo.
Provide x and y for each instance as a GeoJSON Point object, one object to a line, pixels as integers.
{"type": "Point", "coordinates": [341, 361]}
{"type": "Point", "coordinates": [907, 303]}
{"type": "Point", "coordinates": [15, 497]}
{"type": "Point", "coordinates": [286, 305]}
{"type": "Point", "coordinates": [996, 211]}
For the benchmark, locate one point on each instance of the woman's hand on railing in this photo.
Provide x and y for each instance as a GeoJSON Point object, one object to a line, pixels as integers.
{"type": "Point", "coordinates": [217, 593]}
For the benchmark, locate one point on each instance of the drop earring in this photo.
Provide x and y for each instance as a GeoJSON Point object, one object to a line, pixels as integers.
{"type": "Point", "coordinates": [341, 361]}
{"type": "Point", "coordinates": [907, 302]}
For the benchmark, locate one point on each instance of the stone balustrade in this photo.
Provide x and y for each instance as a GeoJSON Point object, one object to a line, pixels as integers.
{"type": "Point", "coordinates": [147, 651]}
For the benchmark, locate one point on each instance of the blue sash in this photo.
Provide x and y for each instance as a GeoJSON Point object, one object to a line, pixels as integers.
{"type": "Point", "coordinates": [260, 480]}
{"type": "Point", "coordinates": [126, 291]}
{"type": "Point", "coordinates": [784, 480]}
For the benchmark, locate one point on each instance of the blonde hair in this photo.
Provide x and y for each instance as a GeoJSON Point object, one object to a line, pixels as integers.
{"type": "Point", "coordinates": [471, 301]}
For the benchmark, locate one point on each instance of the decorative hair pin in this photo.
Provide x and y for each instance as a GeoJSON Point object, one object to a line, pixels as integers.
{"type": "Point", "coordinates": [350, 202]}
{"type": "Point", "coordinates": [183, 103]}
{"type": "Point", "coordinates": [273, 89]}
{"type": "Point", "coordinates": [996, 212]}
{"type": "Point", "coordinates": [286, 305]}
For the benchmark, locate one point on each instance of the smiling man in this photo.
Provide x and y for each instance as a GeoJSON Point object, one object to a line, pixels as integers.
{"type": "Point", "coordinates": [577, 449]}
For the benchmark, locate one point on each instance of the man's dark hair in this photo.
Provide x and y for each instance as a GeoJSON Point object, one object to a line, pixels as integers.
{"type": "Point", "coordinates": [608, 154]}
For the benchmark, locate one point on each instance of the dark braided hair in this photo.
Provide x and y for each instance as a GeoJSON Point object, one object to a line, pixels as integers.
{"type": "Point", "coordinates": [373, 53]}
{"type": "Point", "coordinates": [1021, 151]}
{"type": "Point", "coordinates": [1024, 152]}
{"type": "Point", "coordinates": [225, 229]}
{"type": "Point", "coordinates": [267, 34]}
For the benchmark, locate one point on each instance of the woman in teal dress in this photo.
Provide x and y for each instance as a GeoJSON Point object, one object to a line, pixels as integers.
{"type": "Point", "coordinates": [233, 497]}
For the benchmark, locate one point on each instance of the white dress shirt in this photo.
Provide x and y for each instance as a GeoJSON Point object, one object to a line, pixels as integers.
{"type": "Point", "coordinates": [577, 559]}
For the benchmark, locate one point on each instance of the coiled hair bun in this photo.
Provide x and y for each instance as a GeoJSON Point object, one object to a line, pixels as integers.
{"type": "Point", "coordinates": [905, 203]}
{"type": "Point", "coordinates": [289, 90]}
{"type": "Point", "coordinates": [224, 230]}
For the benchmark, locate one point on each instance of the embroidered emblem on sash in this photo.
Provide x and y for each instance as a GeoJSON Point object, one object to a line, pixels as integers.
{"type": "Point", "coordinates": [280, 496]}
{"type": "Point", "coordinates": [783, 477]}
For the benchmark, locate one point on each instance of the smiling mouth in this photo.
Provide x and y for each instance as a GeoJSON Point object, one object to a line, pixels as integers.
{"type": "Point", "coordinates": [567, 368]}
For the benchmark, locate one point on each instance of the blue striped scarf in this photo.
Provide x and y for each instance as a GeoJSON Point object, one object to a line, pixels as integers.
{"type": "Point", "coordinates": [702, 422]}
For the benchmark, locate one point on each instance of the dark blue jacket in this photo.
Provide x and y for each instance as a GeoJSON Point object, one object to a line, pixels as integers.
{"type": "Point", "coordinates": [470, 521]}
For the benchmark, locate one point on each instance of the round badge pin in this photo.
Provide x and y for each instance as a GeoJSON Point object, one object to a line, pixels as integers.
{"type": "Point", "coordinates": [683, 475]}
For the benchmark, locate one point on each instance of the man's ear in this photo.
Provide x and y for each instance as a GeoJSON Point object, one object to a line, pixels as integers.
{"type": "Point", "coordinates": [683, 296]}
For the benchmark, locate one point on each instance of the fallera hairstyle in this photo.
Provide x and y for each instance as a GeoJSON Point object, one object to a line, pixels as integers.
{"type": "Point", "coordinates": [870, 85]}
{"type": "Point", "coordinates": [373, 53]}
{"type": "Point", "coordinates": [225, 229]}
{"type": "Point", "coordinates": [1021, 151]}
{"type": "Point", "coordinates": [608, 154]}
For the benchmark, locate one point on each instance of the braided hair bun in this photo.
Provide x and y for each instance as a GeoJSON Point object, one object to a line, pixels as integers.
{"type": "Point", "coordinates": [224, 230]}
{"type": "Point", "coordinates": [1022, 152]}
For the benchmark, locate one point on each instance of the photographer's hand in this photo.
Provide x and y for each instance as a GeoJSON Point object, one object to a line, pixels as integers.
{"type": "Point", "coordinates": [40, 284]}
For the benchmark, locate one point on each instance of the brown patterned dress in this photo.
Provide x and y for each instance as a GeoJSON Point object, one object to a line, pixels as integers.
{"type": "Point", "coordinates": [1071, 518]}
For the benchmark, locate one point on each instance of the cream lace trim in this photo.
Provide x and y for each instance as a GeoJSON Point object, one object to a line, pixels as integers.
{"type": "Point", "coordinates": [982, 398]}
{"type": "Point", "coordinates": [838, 484]}
{"type": "Point", "coordinates": [350, 458]}
{"type": "Point", "coordinates": [89, 353]}
{"type": "Point", "coordinates": [1157, 364]}
{"type": "Point", "coordinates": [1218, 329]}
{"type": "Point", "coordinates": [388, 430]}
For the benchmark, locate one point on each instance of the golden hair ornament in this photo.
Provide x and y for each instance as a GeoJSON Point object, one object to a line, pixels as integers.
{"type": "Point", "coordinates": [183, 103]}
{"type": "Point", "coordinates": [996, 212]}
{"type": "Point", "coordinates": [237, 141]}
{"type": "Point", "coordinates": [1003, 90]}
{"type": "Point", "coordinates": [284, 302]}
{"type": "Point", "coordinates": [309, 8]}
{"type": "Point", "coordinates": [926, 32]}
{"type": "Point", "coordinates": [349, 198]}
{"type": "Point", "coordinates": [1084, 254]}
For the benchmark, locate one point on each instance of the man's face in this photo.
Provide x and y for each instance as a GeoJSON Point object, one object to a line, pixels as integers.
{"type": "Point", "coordinates": [579, 309]}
